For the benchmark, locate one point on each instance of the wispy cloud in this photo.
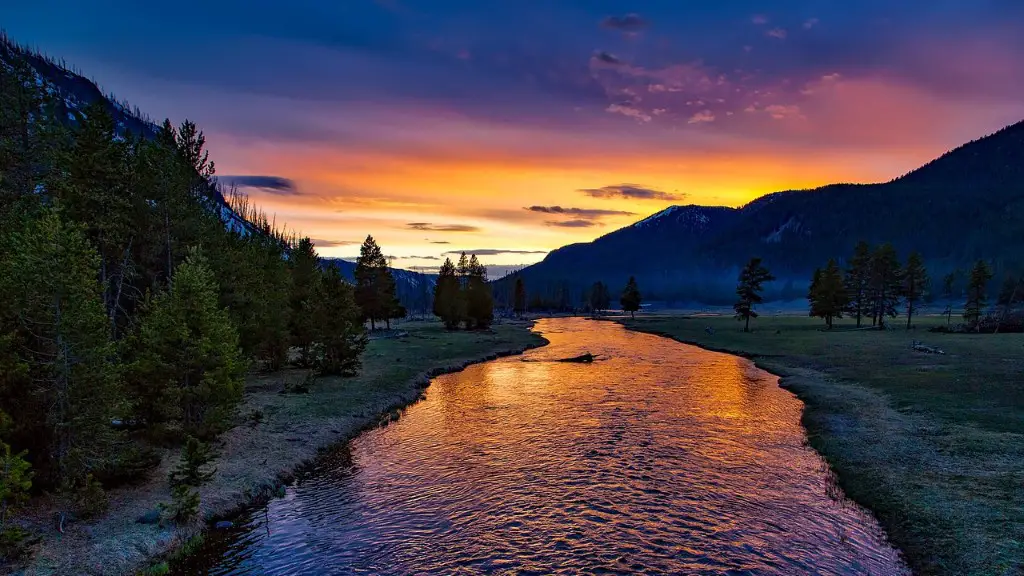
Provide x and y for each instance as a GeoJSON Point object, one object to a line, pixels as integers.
{"type": "Point", "coordinates": [759, 19]}
{"type": "Point", "coordinates": [701, 117]}
{"type": "Point", "coordinates": [416, 257]}
{"type": "Point", "coordinates": [572, 223]}
{"type": "Point", "coordinates": [272, 184]}
{"type": "Point", "coordinates": [779, 33]}
{"type": "Point", "coordinates": [631, 191]}
{"type": "Point", "coordinates": [427, 226]}
{"type": "Point", "coordinates": [324, 243]}
{"type": "Point", "coordinates": [494, 251]}
{"type": "Point", "coordinates": [810, 23]}
{"type": "Point", "coordinates": [580, 213]}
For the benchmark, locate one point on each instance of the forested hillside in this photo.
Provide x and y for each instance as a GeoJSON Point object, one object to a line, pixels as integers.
{"type": "Point", "coordinates": [964, 206]}
{"type": "Point", "coordinates": [134, 297]}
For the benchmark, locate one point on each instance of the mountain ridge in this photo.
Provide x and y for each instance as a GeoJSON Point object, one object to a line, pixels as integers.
{"type": "Point", "coordinates": [692, 252]}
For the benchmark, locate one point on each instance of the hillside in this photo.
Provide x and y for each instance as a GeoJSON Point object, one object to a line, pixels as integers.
{"type": "Point", "coordinates": [692, 253]}
{"type": "Point", "coordinates": [72, 94]}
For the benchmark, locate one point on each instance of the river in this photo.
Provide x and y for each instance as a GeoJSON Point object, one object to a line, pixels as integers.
{"type": "Point", "coordinates": [657, 458]}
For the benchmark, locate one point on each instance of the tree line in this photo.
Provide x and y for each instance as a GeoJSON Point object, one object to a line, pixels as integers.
{"type": "Point", "coordinates": [135, 296]}
{"type": "Point", "coordinates": [876, 286]}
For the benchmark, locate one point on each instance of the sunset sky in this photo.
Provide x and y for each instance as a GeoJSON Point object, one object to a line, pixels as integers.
{"type": "Point", "coordinates": [512, 128]}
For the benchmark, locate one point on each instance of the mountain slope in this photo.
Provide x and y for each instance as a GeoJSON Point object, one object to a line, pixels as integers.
{"type": "Point", "coordinates": [72, 93]}
{"type": "Point", "coordinates": [965, 205]}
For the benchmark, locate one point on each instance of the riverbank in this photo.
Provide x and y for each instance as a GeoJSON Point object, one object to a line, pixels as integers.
{"type": "Point", "coordinates": [276, 435]}
{"type": "Point", "coordinates": [932, 444]}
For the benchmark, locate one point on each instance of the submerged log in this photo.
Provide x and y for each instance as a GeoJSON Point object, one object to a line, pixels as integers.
{"type": "Point", "coordinates": [582, 358]}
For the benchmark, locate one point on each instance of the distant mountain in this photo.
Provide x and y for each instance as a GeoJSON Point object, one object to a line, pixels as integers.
{"type": "Point", "coordinates": [415, 290]}
{"type": "Point", "coordinates": [966, 205]}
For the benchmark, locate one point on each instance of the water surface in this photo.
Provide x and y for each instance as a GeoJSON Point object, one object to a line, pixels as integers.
{"type": "Point", "coordinates": [661, 458]}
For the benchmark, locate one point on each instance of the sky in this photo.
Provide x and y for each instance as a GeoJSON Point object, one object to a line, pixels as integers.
{"type": "Point", "coordinates": [509, 129]}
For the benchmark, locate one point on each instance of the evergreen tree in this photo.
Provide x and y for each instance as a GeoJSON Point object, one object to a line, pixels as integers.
{"type": "Point", "coordinates": [600, 297]}
{"type": "Point", "coordinates": [858, 282]}
{"type": "Point", "coordinates": [15, 478]}
{"type": "Point", "coordinates": [478, 296]}
{"type": "Point", "coordinates": [190, 473]}
{"type": "Point", "coordinates": [339, 330]}
{"type": "Point", "coordinates": [447, 299]}
{"type": "Point", "coordinates": [976, 298]}
{"type": "Point", "coordinates": [748, 289]}
{"type": "Point", "coordinates": [915, 280]}
{"type": "Point", "coordinates": [519, 300]}
{"type": "Point", "coordinates": [64, 388]}
{"type": "Point", "coordinates": [305, 270]}
{"type": "Point", "coordinates": [375, 286]}
{"type": "Point", "coordinates": [886, 284]}
{"type": "Point", "coordinates": [188, 366]}
{"type": "Point", "coordinates": [947, 293]}
{"type": "Point", "coordinates": [827, 293]}
{"type": "Point", "coordinates": [630, 299]}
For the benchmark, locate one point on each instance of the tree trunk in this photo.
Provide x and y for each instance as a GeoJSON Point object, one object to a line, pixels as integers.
{"type": "Point", "coordinates": [910, 311]}
{"type": "Point", "coordinates": [388, 321]}
{"type": "Point", "coordinates": [746, 325]}
{"type": "Point", "coordinates": [631, 315]}
{"type": "Point", "coordinates": [372, 325]}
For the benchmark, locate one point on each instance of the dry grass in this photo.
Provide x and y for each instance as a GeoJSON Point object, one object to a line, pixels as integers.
{"type": "Point", "coordinates": [932, 444]}
{"type": "Point", "coordinates": [277, 433]}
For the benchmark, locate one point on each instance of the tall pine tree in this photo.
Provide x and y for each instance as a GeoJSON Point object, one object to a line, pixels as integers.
{"type": "Point", "coordinates": [631, 298]}
{"type": "Point", "coordinates": [915, 281]}
{"type": "Point", "coordinates": [519, 297]}
{"type": "Point", "coordinates": [447, 297]}
{"type": "Point", "coordinates": [858, 282]}
{"type": "Point", "coordinates": [977, 283]}
{"type": "Point", "coordinates": [478, 296]}
{"type": "Point", "coordinates": [885, 284]}
{"type": "Point", "coordinates": [748, 290]}
{"type": "Point", "coordinates": [827, 293]}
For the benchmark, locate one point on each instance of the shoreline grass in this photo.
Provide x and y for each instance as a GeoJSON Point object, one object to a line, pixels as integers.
{"type": "Point", "coordinates": [932, 444]}
{"type": "Point", "coordinates": [276, 435]}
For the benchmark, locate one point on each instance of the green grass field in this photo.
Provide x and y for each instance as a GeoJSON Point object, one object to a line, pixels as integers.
{"type": "Point", "coordinates": [932, 444]}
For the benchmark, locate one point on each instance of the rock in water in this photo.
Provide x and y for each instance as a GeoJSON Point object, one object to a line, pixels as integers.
{"type": "Point", "coordinates": [582, 358]}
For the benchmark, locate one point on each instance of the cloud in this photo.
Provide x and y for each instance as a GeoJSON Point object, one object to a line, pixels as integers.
{"type": "Point", "coordinates": [424, 269]}
{"type": "Point", "coordinates": [628, 23]}
{"type": "Point", "coordinates": [607, 58]}
{"type": "Point", "coordinates": [416, 258]}
{"type": "Point", "coordinates": [629, 111]}
{"type": "Point", "coordinates": [759, 19]}
{"type": "Point", "coordinates": [631, 191]}
{"type": "Point", "coordinates": [272, 184]}
{"type": "Point", "coordinates": [701, 117]}
{"type": "Point", "coordinates": [779, 33]}
{"type": "Point", "coordinates": [324, 243]}
{"type": "Point", "coordinates": [441, 227]}
{"type": "Point", "coordinates": [572, 223]}
{"type": "Point", "coordinates": [810, 23]}
{"type": "Point", "coordinates": [494, 252]}
{"type": "Point", "coordinates": [439, 242]}
{"type": "Point", "coordinates": [582, 213]}
{"type": "Point", "coordinates": [781, 112]}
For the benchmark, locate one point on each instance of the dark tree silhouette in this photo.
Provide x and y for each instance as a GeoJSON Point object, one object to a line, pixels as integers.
{"type": "Point", "coordinates": [915, 279]}
{"type": "Point", "coordinates": [827, 293]}
{"type": "Point", "coordinates": [748, 289]}
{"type": "Point", "coordinates": [631, 298]}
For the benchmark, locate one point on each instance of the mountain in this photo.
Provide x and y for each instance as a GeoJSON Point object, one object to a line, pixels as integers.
{"type": "Point", "coordinates": [72, 93]}
{"type": "Point", "coordinates": [966, 205]}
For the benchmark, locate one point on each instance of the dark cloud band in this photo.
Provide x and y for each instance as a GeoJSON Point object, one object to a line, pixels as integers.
{"type": "Point", "coordinates": [631, 191]}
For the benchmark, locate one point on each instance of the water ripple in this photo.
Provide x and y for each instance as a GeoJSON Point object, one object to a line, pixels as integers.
{"type": "Point", "coordinates": [664, 458]}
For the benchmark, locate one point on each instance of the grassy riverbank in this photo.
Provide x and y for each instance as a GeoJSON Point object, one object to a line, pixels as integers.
{"type": "Point", "coordinates": [277, 433]}
{"type": "Point", "coordinates": [933, 444]}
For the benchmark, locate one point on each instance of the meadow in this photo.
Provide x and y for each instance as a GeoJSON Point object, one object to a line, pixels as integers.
{"type": "Point", "coordinates": [932, 444]}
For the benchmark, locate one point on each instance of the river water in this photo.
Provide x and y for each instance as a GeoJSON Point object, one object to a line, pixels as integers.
{"type": "Point", "coordinates": [659, 458]}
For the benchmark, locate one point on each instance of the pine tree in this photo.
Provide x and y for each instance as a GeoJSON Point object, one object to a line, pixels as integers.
{"type": "Point", "coordinates": [68, 387]}
{"type": "Point", "coordinates": [339, 330]}
{"type": "Point", "coordinates": [947, 293]}
{"type": "Point", "coordinates": [479, 297]}
{"type": "Point", "coordinates": [447, 298]}
{"type": "Point", "coordinates": [15, 477]}
{"type": "Point", "coordinates": [976, 300]}
{"type": "Point", "coordinates": [886, 284]}
{"type": "Point", "coordinates": [827, 293]}
{"type": "Point", "coordinates": [185, 479]}
{"type": "Point", "coordinates": [375, 286]}
{"type": "Point", "coordinates": [915, 280]}
{"type": "Point", "coordinates": [305, 270]}
{"type": "Point", "coordinates": [630, 299]}
{"type": "Point", "coordinates": [858, 282]}
{"type": "Point", "coordinates": [188, 366]}
{"type": "Point", "coordinates": [519, 300]}
{"type": "Point", "coordinates": [748, 289]}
